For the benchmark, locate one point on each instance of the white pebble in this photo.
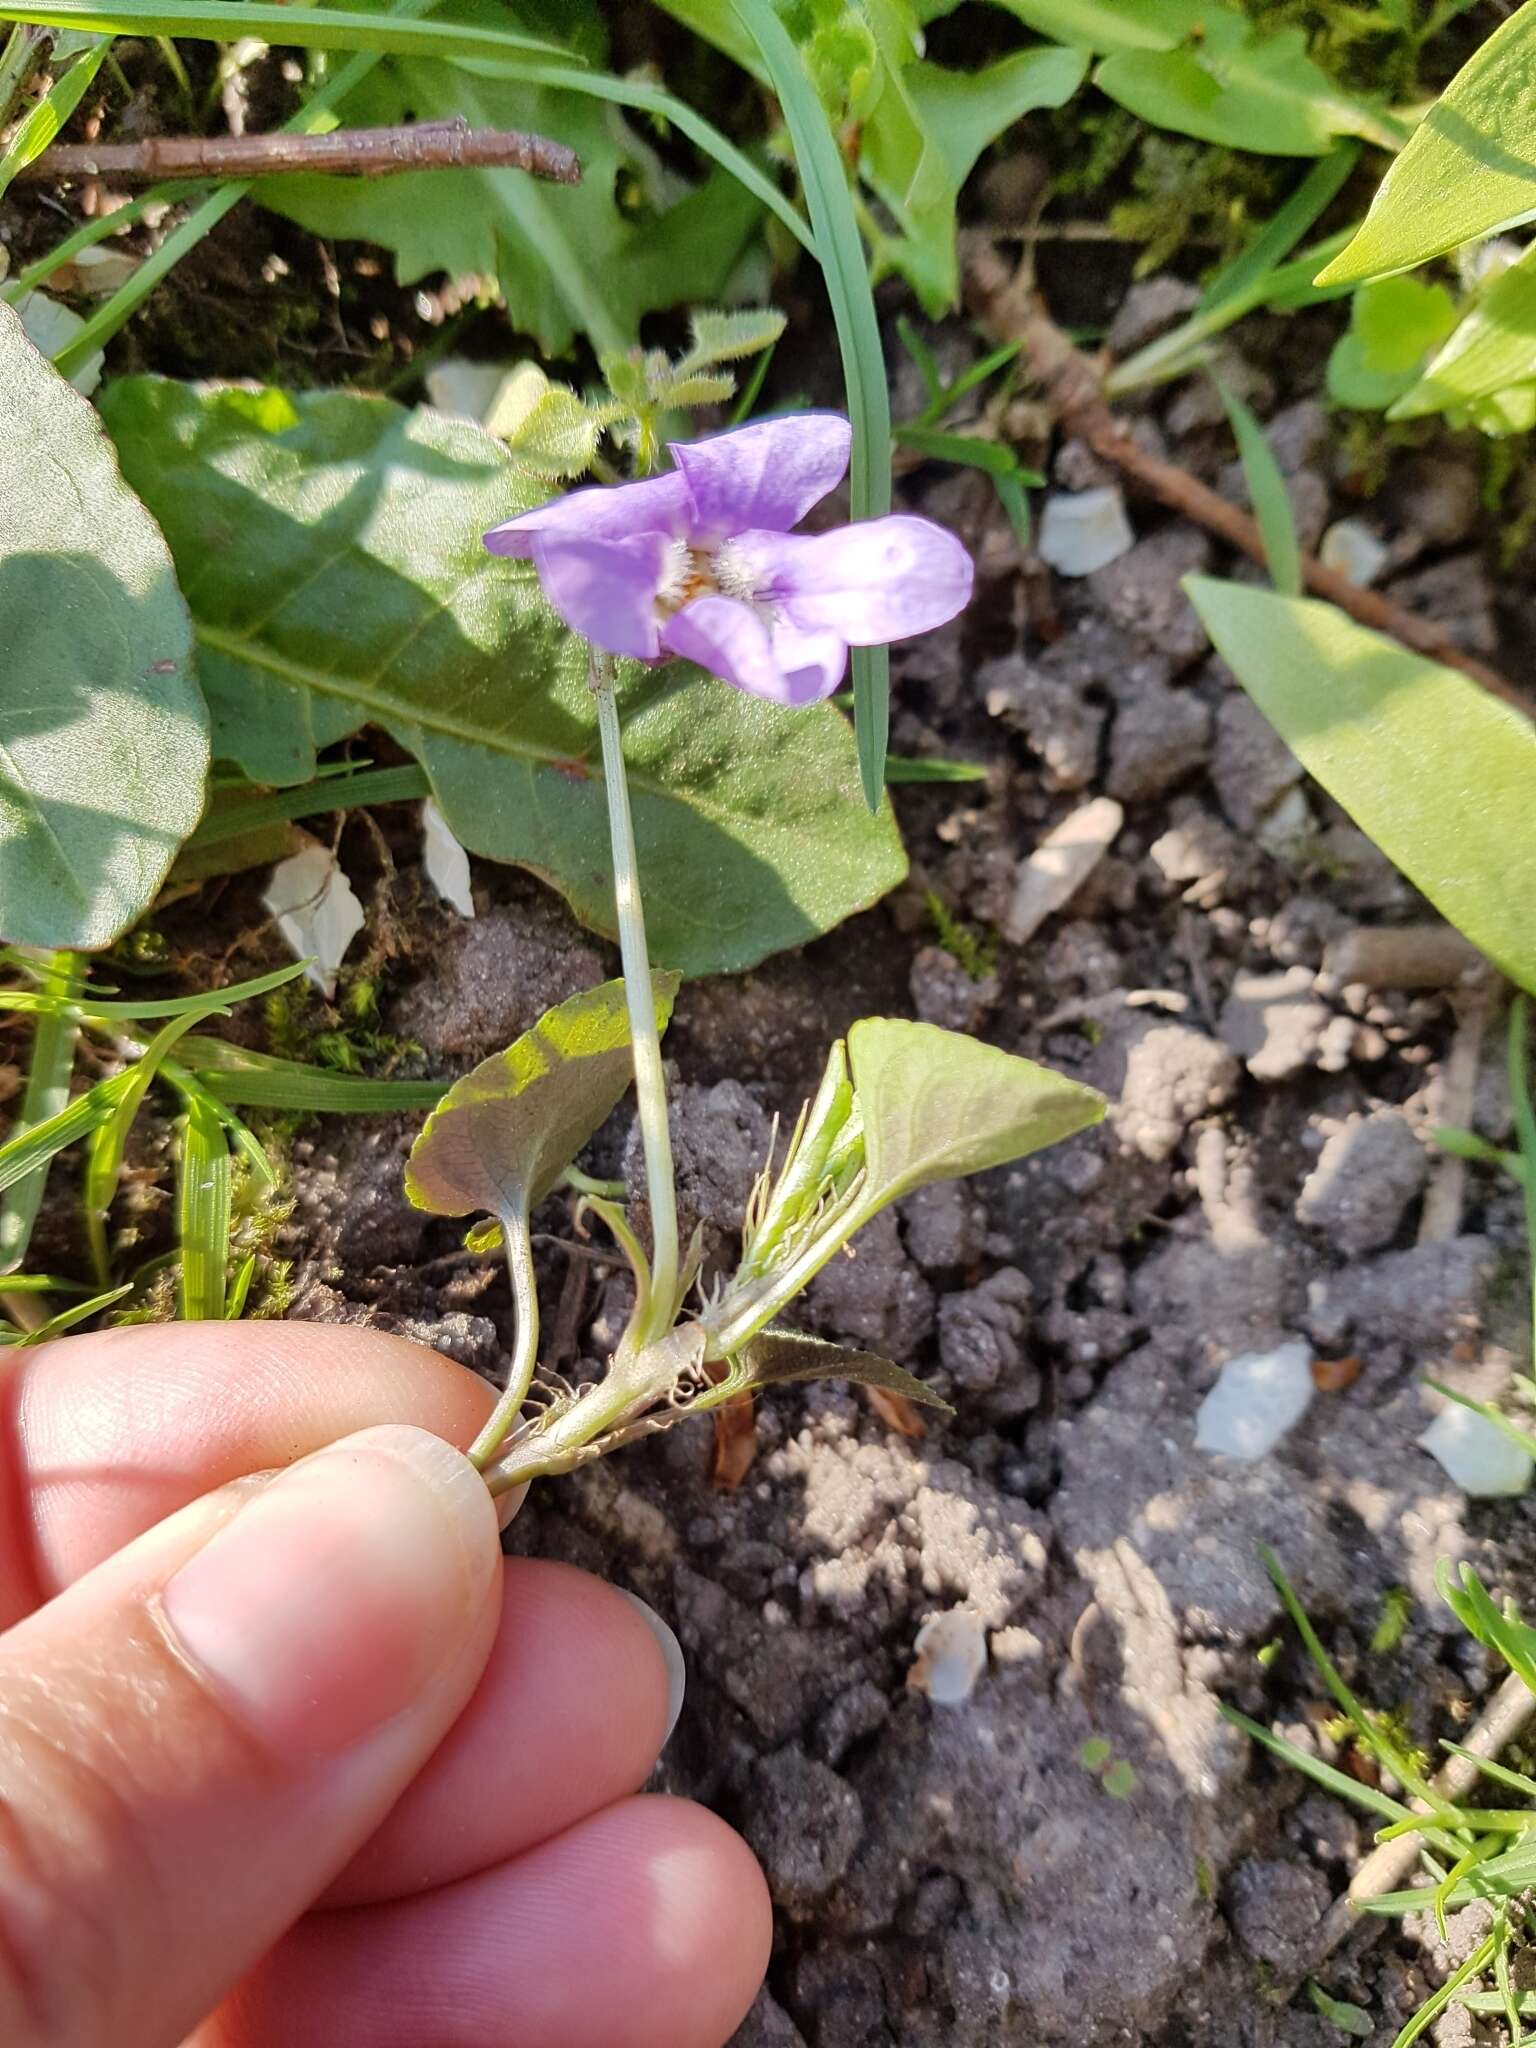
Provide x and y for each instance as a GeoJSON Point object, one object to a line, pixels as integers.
{"type": "Point", "coordinates": [1081, 531]}
{"type": "Point", "coordinates": [1259, 1398]}
{"type": "Point", "coordinates": [1480, 1458]}
{"type": "Point", "coordinates": [1354, 550]}
{"type": "Point", "coordinates": [951, 1655]}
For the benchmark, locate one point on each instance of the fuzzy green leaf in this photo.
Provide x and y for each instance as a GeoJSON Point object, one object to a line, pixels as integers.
{"type": "Point", "coordinates": [778, 1357]}
{"type": "Point", "coordinates": [103, 735]}
{"type": "Point", "coordinates": [1394, 323]}
{"type": "Point", "coordinates": [501, 1138]}
{"type": "Point", "coordinates": [331, 546]}
{"type": "Point", "coordinates": [731, 337]}
{"type": "Point", "coordinates": [1468, 170]}
{"type": "Point", "coordinates": [1436, 770]}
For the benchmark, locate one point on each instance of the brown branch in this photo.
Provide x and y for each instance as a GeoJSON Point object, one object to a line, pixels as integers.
{"type": "Point", "coordinates": [358, 152]}
{"type": "Point", "coordinates": [1010, 310]}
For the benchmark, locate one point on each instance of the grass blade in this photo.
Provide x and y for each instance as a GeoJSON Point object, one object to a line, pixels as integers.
{"type": "Point", "coordinates": [328, 793]}
{"type": "Point", "coordinates": [841, 254]}
{"type": "Point", "coordinates": [1266, 489]}
{"type": "Point", "coordinates": [47, 1094]}
{"type": "Point", "coordinates": [104, 1162]}
{"type": "Point", "coordinates": [1280, 234]}
{"type": "Point", "coordinates": [47, 116]}
{"type": "Point", "coordinates": [202, 1213]}
{"type": "Point", "coordinates": [254, 1080]}
{"type": "Point", "coordinates": [34, 1147]}
{"type": "Point", "coordinates": [314, 28]}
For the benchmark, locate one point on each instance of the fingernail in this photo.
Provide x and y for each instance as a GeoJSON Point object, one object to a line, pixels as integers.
{"type": "Point", "coordinates": [672, 1656]}
{"type": "Point", "coordinates": [337, 1595]}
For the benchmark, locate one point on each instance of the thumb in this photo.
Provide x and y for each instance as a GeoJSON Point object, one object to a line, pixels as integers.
{"type": "Point", "coordinates": [195, 1737]}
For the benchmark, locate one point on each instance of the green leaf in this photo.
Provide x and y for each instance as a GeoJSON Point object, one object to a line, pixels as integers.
{"type": "Point", "coordinates": [1468, 169]}
{"type": "Point", "coordinates": [548, 427]}
{"type": "Point", "coordinates": [1338, 2012]}
{"type": "Point", "coordinates": [314, 28]}
{"type": "Point", "coordinates": [1266, 489]}
{"type": "Point", "coordinates": [779, 1357]}
{"type": "Point", "coordinates": [1467, 1597]}
{"type": "Point", "coordinates": [936, 1105]}
{"type": "Point", "coordinates": [1394, 323]}
{"type": "Point", "coordinates": [50, 1070]}
{"type": "Point", "coordinates": [45, 117]}
{"type": "Point", "coordinates": [243, 1079]}
{"type": "Point", "coordinates": [109, 1141]}
{"type": "Point", "coordinates": [1494, 347]}
{"type": "Point", "coordinates": [332, 549]}
{"type": "Point", "coordinates": [202, 1213]}
{"type": "Point", "coordinates": [35, 1145]}
{"type": "Point", "coordinates": [1240, 89]}
{"type": "Point", "coordinates": [501, 1138]}
{"type": "Point", "coordinates": [841, 254]}
{"type": "Point", "coordinates": [568, 260]}
{"type": "Point", "coordinates": [1433, 768]}
{"type": "Point", "coordinates": [103, 735]}
{"type": "Point", "coordinates": [1114, 24]}
{"type": "Point", "coordinates": [731, 337]}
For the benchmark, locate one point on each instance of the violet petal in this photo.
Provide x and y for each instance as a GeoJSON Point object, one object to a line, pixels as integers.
{"type": "Point", "coordinates": [767, 475]}
{"type": "Point", "coordinates": [883, 579]}
{"type": "Point", "coordinates": [657, 504]}
{"type": "Point", "coordinates": [731, 641]}
{"type": "Point", "coordinates": [606, 590]}
{"type": "Point", "coordinates": [813, 664]}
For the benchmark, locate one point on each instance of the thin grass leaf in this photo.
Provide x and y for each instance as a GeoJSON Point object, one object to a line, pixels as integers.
{"type": "Point", "coordinates": [239, 1292]}
{"type": "Point", "coordinates": [44, 1099]}
{"type": "Point", "coordinates": [40, 1283]}
{"type": "Point", "coordinates": [243, 1079]}
{"type": "Point", "coordinates": [1501, 1774]}
{"type": "Point", "coordinates": [974, 374]}
{"type": "Point", "coordinates": [1378, 1744]}
{"type": "Point", "coordinates": [47, 116]}
{"type": "Point", "coordinates": [924, 361]}
{"type": "Point", "coordinates": [240, 1135]}
{"type": "Point", "coordinates": [753, 388]}
{"type": "Point", "coordinates": [841, 254]}
{"type": "Point", "coordinates": [899, 768]}
{"type": "Point", "coordinates": [1335, 1781]}
{"type": "Point", "coordinates": [234, 819]}
{"type": "Point", "coordinates": [1524, 1115]}
{"type": "Point", "coordinates": [1280, 234]}
{"type": "Point", "coordinates": [82, 1004]}
{"type": "Point", "coordinates": [202, 1213]}
{"type": "Point", "coordinates": [1266, 489]}
{"type": "Point", "coordinates": [68, 1319]}
{"type": "Point", "coordinates": [109, 1141]}
{"type": "Point", "coordinates": [1433, 2006]}
{"type": "Point", "coordinates": [313, 28]}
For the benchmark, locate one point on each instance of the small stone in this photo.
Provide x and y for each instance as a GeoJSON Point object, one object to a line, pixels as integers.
{"type": "Point", "coordinates": [1148, 309]}
{"type": "Point", "coordinates": [1458, 595]}
{"type": "Point", "coordinates": [1058, 721]}
{"type": "Point", "coordinates": [1251, 765]}
{"type": "Point", "coordinates": [982, 1334]}
{"type": "Point", "coordinates": [1274, 1022]}
{"type": "Point", "coordinates": [1476, 1454]}
{"type": "Point", "coordinates": [943, 993]}
{"type": "Point", "coordinates": [1157, 739]}
{"type": "Point", "coordinates": [1173, 1075]}
{"type": "Point", "coordinates": [951, 1655]}
{"type": "Point", "coordinates": [1366, 1176]}
{"type": "Point", "coordinates": [1059, 866]}
{"type": "Point", "coordinates": [1142, 592]}
{"type": "Point", "coordinates": [1355, 550]}
{"type": "Point", "coordinates": [945, 1226]}
{"type": "Point", "coordinates": [1276, 1907]}
{"type": "Point", "coordinates": [1258, 1400]}
{"type": "Point", "coordinates": [1081, 531]}
{"type": "Point", "coordinates": [805, 1822]}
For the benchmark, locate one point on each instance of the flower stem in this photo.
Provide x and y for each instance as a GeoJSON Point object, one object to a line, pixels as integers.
{"type": "Point", "coordinates": [650, 1084]}
{"type": "Point", "coordinates": [525, 1297]}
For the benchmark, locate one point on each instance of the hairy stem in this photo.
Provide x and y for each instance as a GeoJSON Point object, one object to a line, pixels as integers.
{"type": "Point", "coordinates": [525, 1297]}
{"type": "Point", "coordinates": [650, 1085]}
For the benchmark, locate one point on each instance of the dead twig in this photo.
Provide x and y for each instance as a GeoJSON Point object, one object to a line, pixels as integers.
{"type": "Point", "coordinates": [1010, 310]}
{"type": "Point", "coordinates": [355, 152]}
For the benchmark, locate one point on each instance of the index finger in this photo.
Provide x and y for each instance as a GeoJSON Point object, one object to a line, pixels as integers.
{"type": "Point", "coordinates": [103, 1436]}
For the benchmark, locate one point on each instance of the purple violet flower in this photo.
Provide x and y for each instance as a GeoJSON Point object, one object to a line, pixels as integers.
{"type": "Point", "coordinates": [701, 562]}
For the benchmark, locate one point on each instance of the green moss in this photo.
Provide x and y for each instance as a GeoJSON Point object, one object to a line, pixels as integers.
{"type": "Point", "coordinates": [974, 952]}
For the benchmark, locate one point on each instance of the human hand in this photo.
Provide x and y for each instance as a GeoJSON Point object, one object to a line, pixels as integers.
{"type": "Point", "coordinates": [299, 1759]}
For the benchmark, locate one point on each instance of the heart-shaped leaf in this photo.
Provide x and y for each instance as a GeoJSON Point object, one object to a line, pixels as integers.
{"type": "Point", "coordinates": [330, 545]}
{"type": "Point", "coordinates": [935, 1105]}
{"type": "Point", "coordinates": [1434, 768]}
{"type": "Point", "coordinates": [500, 1138]}
{"type": "Point", "coordinates": [103, 735]}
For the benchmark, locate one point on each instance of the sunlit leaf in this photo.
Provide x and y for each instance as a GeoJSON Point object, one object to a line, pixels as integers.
{"type": "Point", "coordinates": [1394, 323]}
{"type": "Point", "coordinates": [1432, 767]}
{"type": "Point", "coordinates": [1494, 347]}
{"type": "Point", "coordinates": [1469, 168]}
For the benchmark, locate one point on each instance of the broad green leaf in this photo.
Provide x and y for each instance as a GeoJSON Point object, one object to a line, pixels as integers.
{"type": "Point", "coordinates": [103, 734]}
{"type": "Point", "coordinates": [1469, 168]}
{"type": "Point", "coordinates": [1109, 25]}
{"type": "Point", "coordinates": [935, 1105]}
{"type": "Point", "coordinates": [568, 260]}
{"type": "Point", "coordinates": [778, 1357]}
{"type": "Point", "coordinates": [1267, 493]}
{"type": "Point", "coordinates": [1494, 347]}
{"type": "Point", "coordinates": [501, 1138]}
{"type": "Point", "coordinates": [1242, 90]}
{"type": "Point", "coordinates": [331, 548]}
{"type": "Point", "coordinates": [1394, 323]}
{"type": "Point", "coordinates": [1433, 768]}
